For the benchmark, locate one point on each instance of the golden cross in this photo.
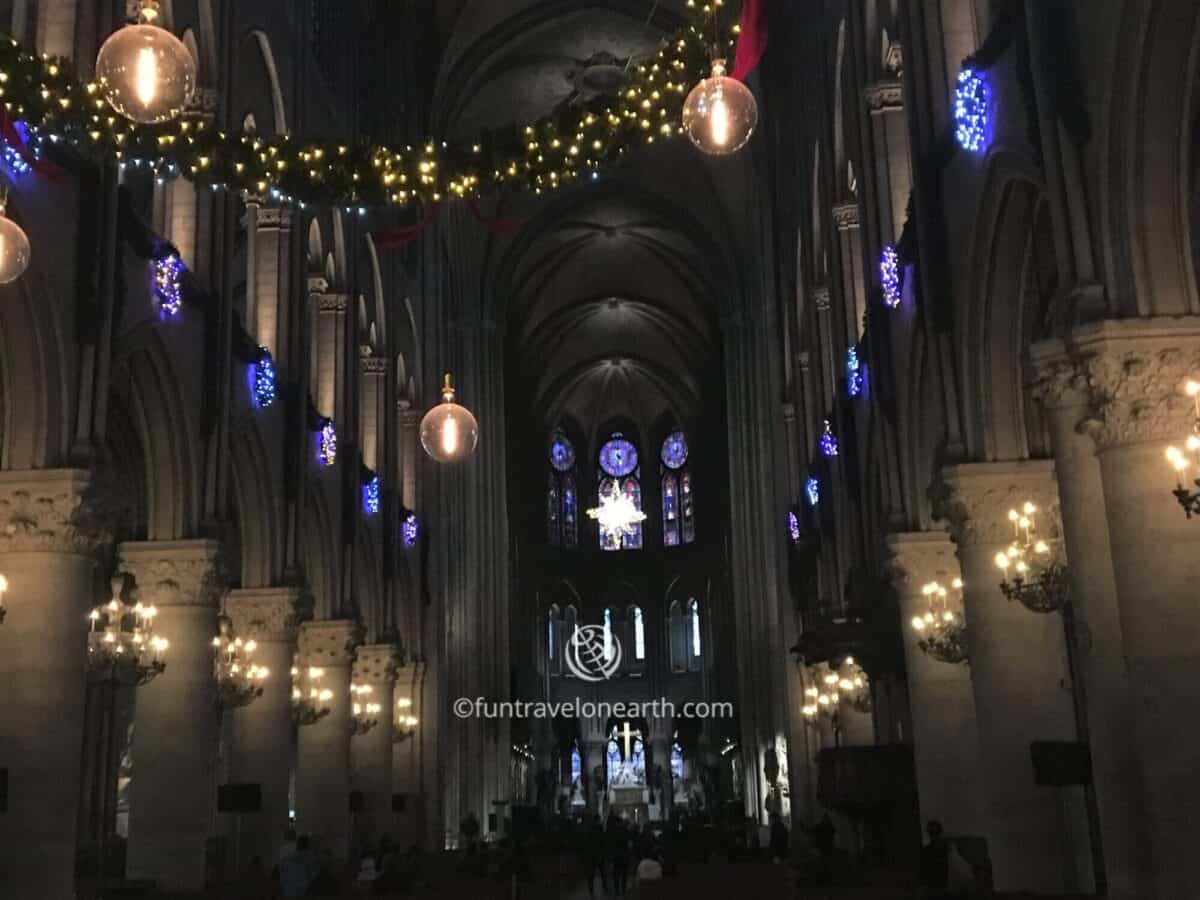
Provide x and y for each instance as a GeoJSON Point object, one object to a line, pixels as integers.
{"type": "Point", "coordinates": [629, 734]}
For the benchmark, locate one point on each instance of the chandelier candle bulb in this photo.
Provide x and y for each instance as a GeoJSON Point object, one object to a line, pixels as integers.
{"type": "Point", "coordinates": [146, 73]}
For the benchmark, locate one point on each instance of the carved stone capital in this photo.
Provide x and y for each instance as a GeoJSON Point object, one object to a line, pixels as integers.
{"type": "Point", "coordinates": [1060, 380]}
{"type": "Point", "coordinates": [803, 361]}
{"type": "Point", "coordinates": [333, 304]}
{"type": "Point", "coordinates": [375, 366]}
{"type": "Point", "coordinates": [821, 297]}
{"type": "Point", "coordinates": [845, 216]}
{"type": "Point", "coordinates": [275, 218]}
{"type": "Point", "coordinates": [883, 96]}
{"type": "Point", "coordinates": [376, 663]}
{"type": "Point", "coordinates": [268, 614]}
{"type": "Point", "coordinates": [406, 415]}
{"type": "Point", "coordinates": [918, 557]}
{"type": "Point", "coordinates": [975, 499]}
{"type": "Point", "coordinates": [174, 573]}
{"type": "Point", "coordinates": [317, 285]}
{"type": "Point", "coordinates": [46, 511]}
{"type": "Point", "coordinates": [202, 105]}
{"type": "Point", "coordinates": [1135, 370]}
{"type": "Point", "coordinates": [329, 642]}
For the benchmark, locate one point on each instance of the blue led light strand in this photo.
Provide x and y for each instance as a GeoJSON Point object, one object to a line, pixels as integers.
{"type": "Point", "coordinates": [327, 445]}
{"type": "Point", "coordinates": [856, 373]}
{"type": "Point", "coordinates": [972, 111]}
{"type": "Point", "coordinates": [370, 496]}
{"type": "Point", "coordinates": [829, 441]}
{"type": "Point", "coordinates": [890, 278]}
{"type": "Point", "coordinates": [264, 380]}
{"type": "Point", "coordinates": [812, 490]}
{"type": "Point", "coordinates": [168, 286]}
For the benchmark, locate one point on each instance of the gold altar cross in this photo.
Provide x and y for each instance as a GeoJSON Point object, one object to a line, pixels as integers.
{"type": "Point", "coordinates": [629, 734]}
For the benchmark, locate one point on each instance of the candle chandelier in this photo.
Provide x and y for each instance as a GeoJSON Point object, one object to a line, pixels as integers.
{"type": "Point", "coordinates": [617, 514]}
{"type": "Point", "coordinates": [833, 685]}
{"type": "Point", "coordinates": [122, 646]}
{"type": "Point", "coordinates": [1032, 574]}
{"type": "Point", "coordinates": [239, 678]}
{"type": "Point", "coordinates": [364, 711]}
{"type": "Point", "coordinates": [942, 632]}
{"type": "Point", "coordinates": [310, 701]}
{"type": "Point", "coordinates": [405, 724]}
{"type": "Point", "coordinates": [1181, 461]}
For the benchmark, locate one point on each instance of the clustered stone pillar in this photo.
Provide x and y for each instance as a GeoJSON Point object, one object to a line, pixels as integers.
{"type": "Point", "coordinates": [1135, 371]}
{"type": "Point", "coordinates": [1099, 642]}
{"type": "Point", "coordinates": [371, 753]}
{"type": "Point", "coordinates": [945, 730]}
{"type": "Point", "coordinates": [262, 731]}
{"type": "Point", "coordinates": [1020, 677]}
{"type": "Point", "coordinates": [323, 748]}
{"type": "Point", "coordinates": [173, 792]}
{"type": "Point", "coordinates": [45, 555]}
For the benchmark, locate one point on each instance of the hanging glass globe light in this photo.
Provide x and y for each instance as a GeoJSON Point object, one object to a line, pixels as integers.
{"type": "Point", "coordinates": [449, 432]}
{"type": "Point", "coordinates": [720, 113]}
{"type": "Point", "coordinates": [145, 72]}
{"type": "Point", "coordinates": [14, 246]}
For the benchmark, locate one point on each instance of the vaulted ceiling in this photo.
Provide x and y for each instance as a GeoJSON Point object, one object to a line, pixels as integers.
{"type": "Point", "coordinates": [613, 310]}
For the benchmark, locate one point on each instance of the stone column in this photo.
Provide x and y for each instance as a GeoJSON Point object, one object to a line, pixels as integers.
{"type": "Point", "coordinates": [1099, 643]}
{"type": "Point", "coordinates": [323, 755]}
{"type": "Point", "coordinates": [1135, 370]}
{"type": "Point", "coordinates": [854, 280]}
{"type": "Point", "coordinates": [945, 731]}
{"type": "Point", "coordinates": [45, 555]}
{"type": "Point", "coordinates": [262, 731]}
{"type": "Point", "coordinates": [371, 753]}
{"type": "Point", "coordinates": [1019, 674]}
{"type": "Point", "coordinates": [173, 792]}
{"type": "Point", "coordinates": [893, 165]}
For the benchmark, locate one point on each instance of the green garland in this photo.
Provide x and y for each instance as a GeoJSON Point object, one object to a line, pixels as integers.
{"type": "Point", "coordinates": [560, 149]}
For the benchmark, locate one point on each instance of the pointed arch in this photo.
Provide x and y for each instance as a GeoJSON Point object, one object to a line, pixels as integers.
{"type": "Point", "coordinates": [278, 107]}
{"type": "Point", "coordinates": [321, 566]}
{"type": "Point", "coordinates": [259, 509]}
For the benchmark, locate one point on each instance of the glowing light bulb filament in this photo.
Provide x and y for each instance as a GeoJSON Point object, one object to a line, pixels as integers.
{"type": "Point", "coordinates": [147, 76]}
{"type": "Point", "coordinates": [450, 436]}
{"type": "Point", "coordinates": [719, 121]}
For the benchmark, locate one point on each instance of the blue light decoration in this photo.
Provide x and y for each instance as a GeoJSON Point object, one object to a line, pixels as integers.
{"type": "Point", "coordinates": [856, 373]}
{"type": "Point", "coordinates": [972, 111]}
{"type": "Point", "coordinates": [370, 496]}
{"type": "Point", "coordinates": [327, 444]}
{"type": "Point", "coordinates": [829, 441]}
{"type": "Point", "coordinates": [812, 490]}
{"type": "Point", "coordinates": [168, 275]}
{"type": "Point", "coordinates": [410, 530]}
{"type": "Point", "coordinates": [11, 156]}
{"type": "Point", "coordinates": [890, 279]}
{"type": "Point", "coordinates": [793, 522]}
{"type": "Point", "coordinates": [264, 379]}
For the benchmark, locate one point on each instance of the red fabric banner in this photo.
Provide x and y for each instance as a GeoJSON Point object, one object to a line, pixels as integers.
{"type": "Point", "coordinates": [10, 134]}
{"type": "Point", "coordinates": [752, 38]}
{"type": "Point", "coordinates": [395, 238]}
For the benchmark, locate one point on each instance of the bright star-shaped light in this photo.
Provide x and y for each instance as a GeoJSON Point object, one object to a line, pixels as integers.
{"type": "Point", "coordinates": [617, 514]}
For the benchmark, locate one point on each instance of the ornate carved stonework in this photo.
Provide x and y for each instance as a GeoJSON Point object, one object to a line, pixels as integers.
{"type": "Point", "coordinates": [174, 573]}
{"type": "Point", "coordinates": [268, 614]}
{"type": "Point", "coordinates": [333, 303]}
{"type": "Point", "coordinates": [328, 642]}
{"type": "Point", "coordinates": [202, 105]}
{"type": "Point", "coordinates": [317, 285]}
{"type": "Point", "coordinates": [883, 96]}
{"type": "Point", "coordinates": [975, 499]}
{"type": "Point", "coordinates": [1061, 381]}
{"type": "Point", "coordinates": [276, 218]}
{"type": "Point", "coordinates": [893, 59]}
{"type": "Point", "coordinates": [44, 511]}
{"type": "Point", "coordinates": [821, 297]}
{"type": "Point", "coordinates": [917, 558]}
{"type": "Point", "coordinates": [1137, 395]}
{"type": "Point", "coordinates": [803, 361]}
{"type": "Point", "coordinates": [372, 365]}
{"type": "Point", "coordinates": [845, 216]}
{"type": "Point", "coordinates": [376, 663]}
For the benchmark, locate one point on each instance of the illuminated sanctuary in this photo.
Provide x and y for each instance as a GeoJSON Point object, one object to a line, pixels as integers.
{"type": "Point", "coordinates": [798, 402]}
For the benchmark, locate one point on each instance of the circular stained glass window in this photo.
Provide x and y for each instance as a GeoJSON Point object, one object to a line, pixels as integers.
{"type": "Point", "coordinates": [674, 450]}
{"type": "Point", "coordinates": [562, 453]}
{"type": "Point", "coordinates": [618, 457]}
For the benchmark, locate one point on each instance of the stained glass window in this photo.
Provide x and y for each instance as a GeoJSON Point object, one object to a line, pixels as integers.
{"type": "Point", "coordinates": [576, 765]}
{"type": "Point", "coordinates": [694, 612]}
{"type": "Point", "coordinates": [678, 510]}
{"type": "Point", "coordinates": [639, 760]}
{"type": "Point", "coordinates": [675, 450]}
{"type": "Point", "coordinates": [676, 761]}
{"type": "Point", "coordinates": [618, 460]}
{"type": "Point", "coordinates": [614, 760]}
{"type": "Point", "coordinates": [639, 634]}
{"type": "Point", "coordinates": [670, 504]}
{"type": "Point", "coordinates": [562, 513]}
{"type": "Point", "coordinates": [618, 457]}
{"type": "Point", "coordinates": [609, 647]}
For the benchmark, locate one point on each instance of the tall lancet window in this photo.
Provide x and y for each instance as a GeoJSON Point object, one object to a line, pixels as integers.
{"type": "Point", "coordinates": [678, 506]}
{"type": "Point", "coordinates": [619, 470]}
{"type": "Point", "coordinates": [562, 494]}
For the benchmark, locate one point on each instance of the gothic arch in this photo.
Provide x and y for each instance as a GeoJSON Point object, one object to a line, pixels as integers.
{"type": "Point", "coordinates": [1149, 137]}
{"type": "Point", "coordinates": [278, 108]}
{"type": "Point", "coordinates": [368, 587]}
{"type": "Point", "coordinates": [320, 561]}
{"type": "Point", "coordinates": [259, 511]}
